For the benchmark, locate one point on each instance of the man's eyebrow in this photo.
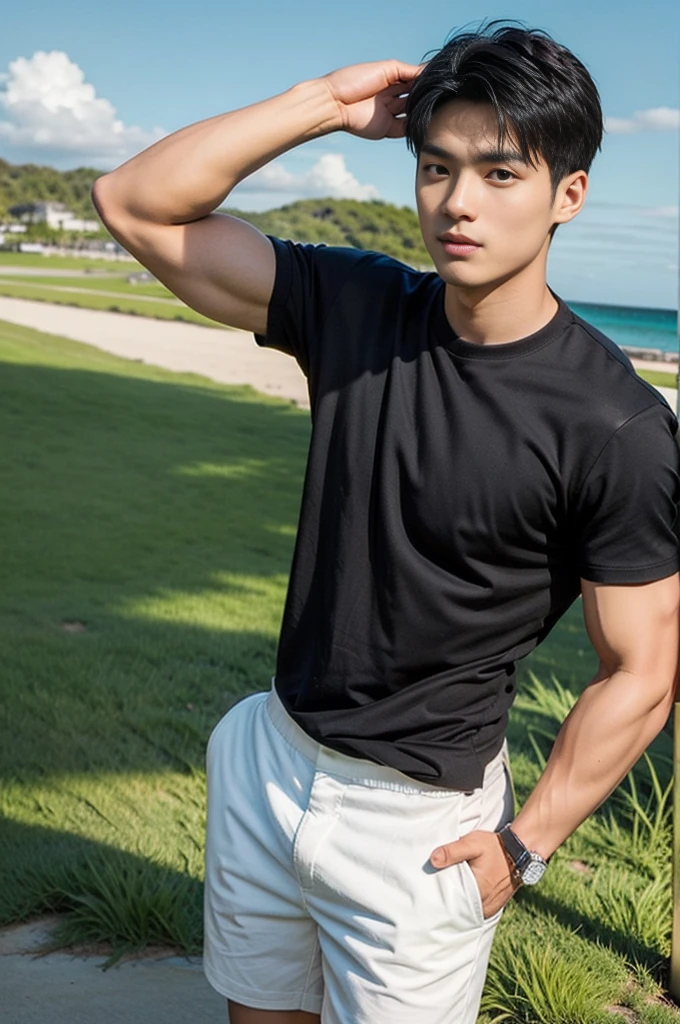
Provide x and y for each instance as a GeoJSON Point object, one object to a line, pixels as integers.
{"type": "Point", "coordinates": [487, 156]}
{"type": "Point", "coordinates": [499, 156]}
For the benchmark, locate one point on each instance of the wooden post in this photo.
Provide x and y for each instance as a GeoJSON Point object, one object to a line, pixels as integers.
{"type": "Point", "coordinates": [675, 935]}
{"type": "Point", "coordinates": [675, 940]}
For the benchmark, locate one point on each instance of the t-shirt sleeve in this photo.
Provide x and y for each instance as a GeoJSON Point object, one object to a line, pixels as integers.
{"type": "Point", "coordinates": [309, 279]}
{"type": "Point", "coordinates": [627, 529]}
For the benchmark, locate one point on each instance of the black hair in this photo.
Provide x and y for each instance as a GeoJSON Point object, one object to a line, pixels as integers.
{"type": "Point", "coordinates": [543, 96]}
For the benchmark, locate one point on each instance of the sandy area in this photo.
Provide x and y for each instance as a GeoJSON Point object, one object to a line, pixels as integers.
{"type": "Point", "coordinates": [228, 356]}
{"type": "Point", "coordinates": [231, 357]}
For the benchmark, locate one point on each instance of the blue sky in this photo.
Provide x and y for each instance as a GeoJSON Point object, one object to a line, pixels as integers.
{"type": "Point", "coordinates": [92, 84]}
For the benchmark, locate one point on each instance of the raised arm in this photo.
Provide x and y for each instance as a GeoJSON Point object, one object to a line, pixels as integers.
{"type": "Point", "coordinates": [635, 631]}
{"type": "Point", "coordinates": [160, 204]}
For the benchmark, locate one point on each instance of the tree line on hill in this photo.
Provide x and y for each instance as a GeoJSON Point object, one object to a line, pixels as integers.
{"type": "Point", "coordinates": [29, 183]}
{"type": "Point", "coordinates": [373, 224]}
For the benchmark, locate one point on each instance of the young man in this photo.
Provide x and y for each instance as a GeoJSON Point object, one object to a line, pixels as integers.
{"type": "Point", "coordinates": [479, 457]}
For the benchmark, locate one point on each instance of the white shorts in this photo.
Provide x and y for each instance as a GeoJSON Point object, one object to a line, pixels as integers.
{"type": "Point", "coordinates": [319, 895]}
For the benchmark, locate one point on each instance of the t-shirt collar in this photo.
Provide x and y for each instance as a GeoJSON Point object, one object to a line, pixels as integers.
{"type": "Point", "coordinates": [506, 350]}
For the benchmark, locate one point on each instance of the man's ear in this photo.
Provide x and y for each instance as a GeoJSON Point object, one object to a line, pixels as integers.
{"type": "Point", "coordinates": [570, 197]}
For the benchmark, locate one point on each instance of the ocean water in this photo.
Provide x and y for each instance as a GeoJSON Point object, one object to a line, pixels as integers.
{"type": "Point", "coordinates": [633, 327]}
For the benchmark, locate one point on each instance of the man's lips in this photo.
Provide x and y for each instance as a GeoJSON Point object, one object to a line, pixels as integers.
{"type": "Point", "coordinates": [458, 245]}
{"type": "Point", "coordinates": [457, 240]}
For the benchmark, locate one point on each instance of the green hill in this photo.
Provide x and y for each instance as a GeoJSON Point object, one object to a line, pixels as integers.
{"type": "Point", "coordinates": [363, 225]}
{"type": "Point", "coordinates": [30, 183]}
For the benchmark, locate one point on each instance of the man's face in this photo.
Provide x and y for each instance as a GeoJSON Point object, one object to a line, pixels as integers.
{"type": "Point", "coordinates": [464, 186]}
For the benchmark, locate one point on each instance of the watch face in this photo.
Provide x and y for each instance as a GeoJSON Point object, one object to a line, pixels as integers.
{"type": "Point", "coordinates": [534, 871]}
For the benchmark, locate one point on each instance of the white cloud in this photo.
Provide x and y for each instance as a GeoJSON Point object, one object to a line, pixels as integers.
{"type": "Point", "coordinates": [329, 176]}
{"type": "Point", "coordinates": [657, 119]}
{"type": "Point", "coordinates": [51, 112]}
{"type": "Point", "coordinates": [666, 212]}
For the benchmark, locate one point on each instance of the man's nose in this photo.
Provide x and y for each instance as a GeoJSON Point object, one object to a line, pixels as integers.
{"type": "Point", "coordinates": [461, 199]}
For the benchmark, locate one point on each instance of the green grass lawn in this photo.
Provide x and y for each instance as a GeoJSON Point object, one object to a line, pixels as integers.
{"type": "Point", "coordinates": [148, 520]}
{"type": "Point", "coordinates": [126, 300]}
{"type": "Point", "coordinates": [36, 259]}
{"type": "Point", "coordinates": [114, 280]}
{"type": "Point", "coordinates": [660, 379]}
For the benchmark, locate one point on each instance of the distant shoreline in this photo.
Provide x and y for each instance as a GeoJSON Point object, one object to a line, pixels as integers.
{"type": "Point", "coordinates": [671, 310]}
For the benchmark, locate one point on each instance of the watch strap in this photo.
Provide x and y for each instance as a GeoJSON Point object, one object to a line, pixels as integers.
{"type": "Point", "coordinates": [514, 845]}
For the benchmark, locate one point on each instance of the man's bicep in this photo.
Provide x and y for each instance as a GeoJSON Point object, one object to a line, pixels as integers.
{"type": "Point", "coordinates": [635, 627]}
{"type": "Point", "coordinates": [219, 265]}
{"type": "Point", "coordinates": [226, 270]}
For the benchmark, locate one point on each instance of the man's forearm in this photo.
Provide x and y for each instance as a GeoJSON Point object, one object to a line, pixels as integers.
{"type": "Point", "coordinates": [610, 726]}
{"type": "Point", "coordinates": [188, 174]}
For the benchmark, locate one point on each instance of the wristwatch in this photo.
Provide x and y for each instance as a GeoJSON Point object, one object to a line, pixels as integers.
{"type": "Point", "coordinates": [529, 865]}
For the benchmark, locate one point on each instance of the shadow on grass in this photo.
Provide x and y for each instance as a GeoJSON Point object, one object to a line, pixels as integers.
{"type": "Point", "coordinates": [147, 532]}
{"type": "Point", "coordinates": [629, 946]}
{"type": "Point", "coordinates": [147, 527]}
{"type": "Point", "coordinates": [107, 895]}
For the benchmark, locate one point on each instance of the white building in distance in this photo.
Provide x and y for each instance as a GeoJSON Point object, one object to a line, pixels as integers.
{"type": "Point", "coordinates": [54, 215]}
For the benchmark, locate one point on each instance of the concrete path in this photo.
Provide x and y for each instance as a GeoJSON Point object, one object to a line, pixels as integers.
{"type": "Point", "coordinates": [671, 396]}
{"type": "Point", "coordinates": [231, 357]}
{"type": "Point", "coordinates": [61, 988]}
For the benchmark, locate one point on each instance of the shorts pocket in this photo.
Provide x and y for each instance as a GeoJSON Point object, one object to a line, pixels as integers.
{"type": "Point", "coordinates": [462, 898]}
{"type": "Point", "coordinates": [471, 891]}
{"type": "Point", "coordinates": [474, 896]}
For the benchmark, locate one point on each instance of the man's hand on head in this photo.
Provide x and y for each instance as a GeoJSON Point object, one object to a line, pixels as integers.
{"type": "Point", "coordinates": [489, 864]}
{"type": "Point", "coordinates": [371, 98]}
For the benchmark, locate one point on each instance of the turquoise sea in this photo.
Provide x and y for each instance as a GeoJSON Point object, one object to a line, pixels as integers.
{"type": "Point", "coordinates": [633, 327]}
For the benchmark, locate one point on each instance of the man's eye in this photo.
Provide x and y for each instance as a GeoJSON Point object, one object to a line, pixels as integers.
{"type": "Point", "coordinates": [502, 171]}
{"type": "Point", "coordinates": [436, 168]}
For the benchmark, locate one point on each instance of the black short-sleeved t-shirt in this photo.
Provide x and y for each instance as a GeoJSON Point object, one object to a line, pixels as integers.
{"type": "Point", "coordinates": [455, 495]}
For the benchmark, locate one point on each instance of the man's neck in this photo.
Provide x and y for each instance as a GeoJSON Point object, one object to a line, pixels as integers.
{"type": "Point", "coordinates": [505, 313]}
